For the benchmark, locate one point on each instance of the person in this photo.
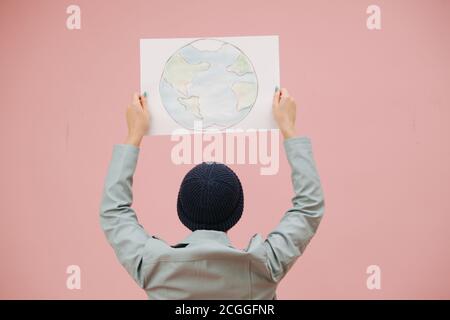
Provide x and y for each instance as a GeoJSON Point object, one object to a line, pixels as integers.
{"type": "Point", "coordinates": [210, 201]}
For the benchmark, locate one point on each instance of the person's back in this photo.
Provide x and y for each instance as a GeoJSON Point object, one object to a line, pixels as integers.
{"type": "Point", "coordinates": [205, 265]}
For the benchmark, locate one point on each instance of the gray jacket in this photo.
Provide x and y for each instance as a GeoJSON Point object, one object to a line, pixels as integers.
{"type": "Point", "coordinates": [205, 265]}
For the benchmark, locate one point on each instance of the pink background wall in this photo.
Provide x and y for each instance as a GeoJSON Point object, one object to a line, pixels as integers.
{"type": "Point", "coordinates": [376, 105]}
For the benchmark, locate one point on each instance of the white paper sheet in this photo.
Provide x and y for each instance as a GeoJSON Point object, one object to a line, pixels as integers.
{"type": "Point", "coordinates": [216, 83]}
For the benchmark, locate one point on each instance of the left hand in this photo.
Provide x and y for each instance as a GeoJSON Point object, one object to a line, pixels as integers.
{"type": "Point", "coordinates": [138, 120]}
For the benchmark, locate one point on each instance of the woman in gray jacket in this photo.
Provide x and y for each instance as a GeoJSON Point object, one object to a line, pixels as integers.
{"type": "Point", "coordinates": [210, 202]}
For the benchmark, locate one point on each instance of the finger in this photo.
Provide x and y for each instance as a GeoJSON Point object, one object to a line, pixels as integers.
{"type": "Point", "coordinates": [284, 92]}
{"type": "Point", "coordinates": [144, 102]}
{"type": "Point", "coordinates": [276, 98]}
{"type": "Point", "coordinates": [136, 101]}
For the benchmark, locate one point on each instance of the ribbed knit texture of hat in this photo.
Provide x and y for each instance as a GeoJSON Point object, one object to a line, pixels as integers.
{"type": "Point", "coordinates": [210, 198]}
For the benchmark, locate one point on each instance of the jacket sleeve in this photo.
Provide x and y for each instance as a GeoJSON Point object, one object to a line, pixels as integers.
{"type": "Point", "coordinates": [118, 220]}
{"type": "Point", "coordinates": [289, 239]}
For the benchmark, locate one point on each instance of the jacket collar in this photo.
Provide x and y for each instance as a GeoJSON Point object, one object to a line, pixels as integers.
{"type": "Point", "coordinates": [202, 236]}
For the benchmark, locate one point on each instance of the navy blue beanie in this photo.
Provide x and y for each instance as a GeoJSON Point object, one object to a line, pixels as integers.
{"type": "Point", "coordinates": [210, 198]}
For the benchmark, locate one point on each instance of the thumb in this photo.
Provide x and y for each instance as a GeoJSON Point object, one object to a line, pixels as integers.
{"type": "Point", "coordinates": [276, 98]}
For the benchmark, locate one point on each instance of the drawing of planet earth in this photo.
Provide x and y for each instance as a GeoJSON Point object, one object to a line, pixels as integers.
{"type": "Point", "coordinates": [208, 81]}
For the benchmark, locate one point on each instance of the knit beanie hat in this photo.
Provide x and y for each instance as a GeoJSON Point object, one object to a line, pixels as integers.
{"type": "Point", "coordinates": [210, 198]}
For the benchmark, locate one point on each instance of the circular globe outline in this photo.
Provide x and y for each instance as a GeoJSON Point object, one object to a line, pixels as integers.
{"type": "Point", "coordinates": [213, 126]}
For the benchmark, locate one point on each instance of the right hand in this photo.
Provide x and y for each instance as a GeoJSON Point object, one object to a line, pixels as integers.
{"type": "Point", "coordinates": [284, 110]}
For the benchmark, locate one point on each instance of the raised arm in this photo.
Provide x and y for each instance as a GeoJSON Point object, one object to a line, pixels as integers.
{"type": "Point", "coordinates": [289, 239]}
{"type": "Point", "coordinates": [117, 218]}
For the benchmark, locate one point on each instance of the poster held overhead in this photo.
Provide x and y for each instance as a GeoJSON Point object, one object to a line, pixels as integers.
{"type": "Point", "coordinates": [214, 83]}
